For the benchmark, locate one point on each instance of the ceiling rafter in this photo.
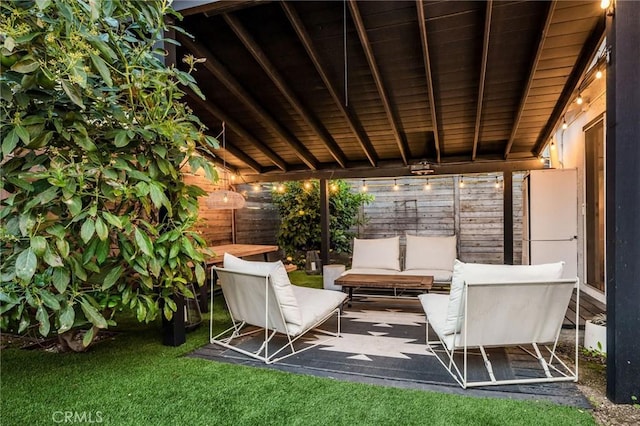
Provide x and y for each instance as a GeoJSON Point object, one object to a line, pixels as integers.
{"type": "Point", "coordinates": [215, 111]}
{"type": "Point", "coordinates": [422, 22]}
{"type": "Point", "coordinates": [352, 121]}
{"type": "Point", "coordinates": [261, 57]}
{"type": "Point", "coordinates": [224, 76]}
{"type": "Point", "coordinates": [584, 59]}
{"type": "Point", "coordinates": [532, 73]}
{"type": "Point", "coordinates": [377, 77]}
{"type": "Point", "coordinates": [483, 76]}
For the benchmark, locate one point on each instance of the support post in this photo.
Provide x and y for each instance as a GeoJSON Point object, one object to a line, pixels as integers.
{"type": "Point", "coordinates": [623, 203]}
{"type": "Point", "coordinates": [174, 332]}
{"type": "Point", "coordinates": [507, 212]}
{"type": "Point", "coordinates": [325, 236]}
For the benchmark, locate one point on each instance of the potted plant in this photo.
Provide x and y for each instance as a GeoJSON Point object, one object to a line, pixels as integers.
{"type": "Point", "coordinates": [595, 333]}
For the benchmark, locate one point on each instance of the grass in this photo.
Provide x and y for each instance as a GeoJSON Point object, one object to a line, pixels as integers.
{"type": "Point", "coordinates": [134, 380]}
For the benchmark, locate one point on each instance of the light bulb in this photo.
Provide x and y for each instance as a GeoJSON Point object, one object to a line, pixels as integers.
{"type": "Point", "coordinates": [233, 177]}
{"type": "Point", "coordinates": [364, 186]}
{"type": "Point", "coordinates": [542, 160]}
{"type": "Point", "coordinates": [307, 185]}
{"type": "Point", "coordinates": [256, 188]}
{"type": "Point", "coordinates": [564, 124]}
{"type": "Point", "coordinates": [497, 183]}
{"type": "Point", "coordinates": [395, 186]}
{"type": "Point", "coordinates": [553, 145]}
{"type": "Point", "coordinates": [427, 186]}
{"type": "Point", "coordinates": [334, 187]}
{"type": "Point", "coordinates": [461, 184]}
{"type": "Point", "coordinates": [579, 100]}
{"type": "Point", "coordinates": [225, 198]}
{"type": "Point", "coordinates": [599, 74]}
{"type": "Point", "coordinates": [604, 4]}
{"type": "Point", "coordinates": [280, 188]}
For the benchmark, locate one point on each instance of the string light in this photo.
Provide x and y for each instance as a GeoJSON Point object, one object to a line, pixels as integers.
{"type": "Point", "coordinates": [579, 99]}
{"type": "Point", "coordinates": [307, 185]}
{"type": "Point", "coordinates": [564, 123]}
{"type": "Point", "coordinates": [497, 183]}
{"type": "Point", "coordinates": [281, 188]}
{"type": "Point", "coordinates": [334, 187]}
{"type": "Point", "coordinates": [256, 188]}
{"type": "Point", "coordinates": [225, 198]}
{"type": "Point", "coordinates": [427, 186]}
{"type": "Point", "coordinates": [364, 186]}
{"type": "Point", "coordinates": [542, 160]}
{"type": "Point", "coordinates": [604, 4]}
{"type": "Point", "coordinates": [599, 74]}
{"type": "Point", "coordinates": [461, 184]}
{"type": "Point", "coordinates": [395, 185]}
{"type": "Point", "coordinates": [553, 145]}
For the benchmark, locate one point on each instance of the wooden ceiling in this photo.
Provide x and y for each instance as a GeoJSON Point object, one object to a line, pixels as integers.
{"type": "Point", "coordinates": [368, 88]}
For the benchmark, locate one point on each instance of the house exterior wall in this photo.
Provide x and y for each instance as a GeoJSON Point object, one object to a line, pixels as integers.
{"type": "Point", "coordinates": [570, 153]}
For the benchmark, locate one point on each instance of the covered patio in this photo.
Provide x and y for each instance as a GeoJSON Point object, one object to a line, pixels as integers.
{"type": "Point", "coordinates": [323, 90]}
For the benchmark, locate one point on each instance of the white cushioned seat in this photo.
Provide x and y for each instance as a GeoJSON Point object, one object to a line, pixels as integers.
{"type": "Point", "coordinates": [376, 253]}
{"type": "Point", "coordinates": [372, 271]}
{"type": "Point", "coordinates": [439, 275]}
{"type": "Point", "coordinates": [279, 278]}
{"type": "Point", "coordinates": [430, 253]}
{"type": "Point", "coordinates": [314, 304]}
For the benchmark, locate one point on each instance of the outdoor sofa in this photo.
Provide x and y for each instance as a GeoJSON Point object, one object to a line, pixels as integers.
{"type": "Point", "coordinates": [423, 255]}
{"type": "Point", "coordinates": [501, 306]}
{"type": "Point", "coordinates": [259, 294]}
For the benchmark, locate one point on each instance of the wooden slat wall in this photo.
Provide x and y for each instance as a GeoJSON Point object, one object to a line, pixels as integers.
{"type": "Point", "coordinates": [473, 213]}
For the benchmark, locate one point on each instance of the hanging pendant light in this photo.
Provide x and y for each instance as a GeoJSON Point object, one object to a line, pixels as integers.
{"type": "Point", "coordinates": [225, 198]}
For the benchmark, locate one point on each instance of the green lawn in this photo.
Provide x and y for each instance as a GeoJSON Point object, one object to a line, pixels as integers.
{"type": "Point", "coordinates": [134, 380]}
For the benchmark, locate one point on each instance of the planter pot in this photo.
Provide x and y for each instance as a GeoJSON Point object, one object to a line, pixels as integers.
{"type": "Point", "coordinates": [595, 337]}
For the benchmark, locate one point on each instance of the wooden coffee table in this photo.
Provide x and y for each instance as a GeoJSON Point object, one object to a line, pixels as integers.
{"type": "Point", "coordinates": [412, 282]}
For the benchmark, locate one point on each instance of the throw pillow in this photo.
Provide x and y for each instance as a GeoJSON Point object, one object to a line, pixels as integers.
{"type": "Point", "coordinates": [378, 253]}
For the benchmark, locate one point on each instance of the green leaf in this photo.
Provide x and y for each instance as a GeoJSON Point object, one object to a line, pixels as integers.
{"type": "Point", "coordinates": [121, 139]}
{"type": "Point", "coordinates": [57, 230]}
{"type": "Point", "coordinates": [157, 195]}
{"type": "Point", "coordinates": [43, 4]}
{"type": "Point", "coordinates": [26, 65]}
{"type": "Point", "coordinates": [74, 93]}
{"type": "Point", "coordinates": [61, 279]}
{"type": "Point", "coordinates": [88, 337]}
{"type": "Point", "coordinates": [74, 204]}
{"type": "Point", "coordinates": [112, 277]}
{"type": "Point", "coordinates": [43, 319]}
{"type": "Point", "coordinates": [26, 264]}
{"type": "Point", "coordinates": [49, 300]}
{"type": "Point", "coordinates": [9, 142]}
{"type": "Point", "coordinates": [112, 219]}
{"type": "Point", "coordinates": [51, 258]}
{"type": "Point", "coordinates": [24, 324]}
{"type": "Point", "coordinates": [39, 245]}
{"type": "Point", "coordinates": [144, 242]}
{"type": "Point", "coordinates": [22, 134]}
{"type": "Point", "coordinates": [102, 68]}
{"type": "Point", "coordinates": [200, 274]}
{"type": "Point", "coordinates": [102, 251]}
{"type": "Point", "coordinates": [67, 317]}
{"type": "Point", "coordinates": [63, 247]}
{"type": "Point", "coordinates": [87, 230]}
{"type": "Point", "coordinates": [93, 315]}
{"type": "Point", "coordinates": [101, 229]}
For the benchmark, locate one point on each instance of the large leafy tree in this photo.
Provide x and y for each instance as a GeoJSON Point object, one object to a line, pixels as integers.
{"type": "Point", "coordinates": [298, 205]}
{"type": "Point", "coordinates": [95, 215]}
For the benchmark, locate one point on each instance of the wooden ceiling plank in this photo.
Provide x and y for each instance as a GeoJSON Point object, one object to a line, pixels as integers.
{"type": "Point", "coordinates": [215, 111]}
{"type": "Point", "coordinates": [483, 77]}
{"type": "Point", "coordinates": [587, 54]}
{"type": "Point", "coordinates": [377, 77]}
{"type": "Point", "coordinates": [269, 68]}
{"type": "Point", "coordinates": [532, 72]}
{"type": "Point", "coordinates": [352, 121]}
{"type": "Point", "coordinates": [224, 76]}
{"type": "Point", "coordinates": [427, 66]}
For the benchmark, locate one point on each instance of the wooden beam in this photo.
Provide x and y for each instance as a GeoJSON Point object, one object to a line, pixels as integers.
{"type": "Point", "coordinates": [237, 128]}
{"type": "Point", "coordinates": [352, 121]}
{"type": "Point", "coordinates": [422, 22]}
{"type": "Point", "coordinates": [483, 76]}
{"type": "Point", "coordinates": [587, 54]}
{"type": "Point", "coordinates": [532, 72]}
{"type": "Point", "coordinates": [622, 202]}
{"type": "Point", "coordinates": [272, 72]}
{"type": "Point", "coordinates": [507, 216]}
{"type": "Point", "coordinates": [377, 77]}
{"type": "Point", "coordinates": [397, 169]}
{"type": "Point", "coordinates": [229, 81]}
{"type": "Point", "coordinates": [213, 7]}
{"type": "Point", "coordinates": [325, 222]}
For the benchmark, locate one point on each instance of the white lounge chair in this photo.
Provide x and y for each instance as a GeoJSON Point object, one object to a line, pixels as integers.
{"type": "Point", "coordinates": [259, 294]}
{"type": "Point", "coordinates": [501, 306]}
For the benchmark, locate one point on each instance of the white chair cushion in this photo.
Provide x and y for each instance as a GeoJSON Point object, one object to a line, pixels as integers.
{"type": "Point", "coordinates": [430, 252]}
{"type": "Point", "coordinates": [439, 275]}
{"type": "Point", "coordinates": [370, 271]}
{"type": "Point", "coordinates": [279, 280]}
{"type": "Point", "coordinates": [491, 273]}
{"type": "Point", "coordinates": [377, 253]}
{"type": "Point", "coordinates": [315, 304]}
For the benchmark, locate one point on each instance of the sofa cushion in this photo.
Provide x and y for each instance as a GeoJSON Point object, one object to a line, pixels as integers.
{"type": "Point", "coordinates": [491, 273]}
{"type": "Point", "coordinates": [430, 252]}
{"type": "Point", "coordinates": [315, 304]}
{"type": "Point", "coordinates": [279, 280]}
{"type": "Point", "coordinates": [439, 275]}
{"type": "Point", "coordinates": [377, 253]}
{"type": "Point", "coordinates": [370, 271]}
